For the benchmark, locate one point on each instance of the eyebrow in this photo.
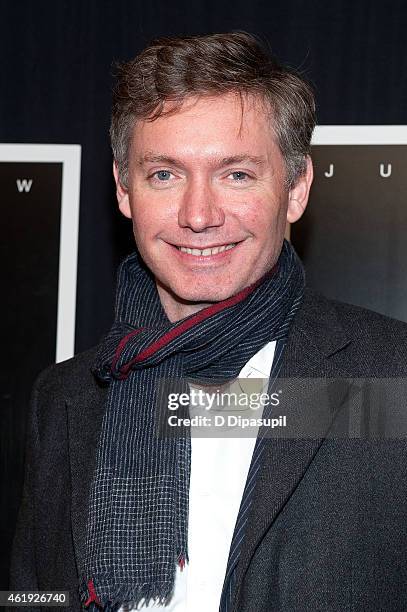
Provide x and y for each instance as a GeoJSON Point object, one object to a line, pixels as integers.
{"type": "Point", "coordinates": [150, 157]}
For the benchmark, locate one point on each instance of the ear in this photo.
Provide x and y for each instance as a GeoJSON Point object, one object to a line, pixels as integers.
{"type": "Point", "coordinates": [299, 193]}
{"type": "Point", "coordinates": [122, 193]}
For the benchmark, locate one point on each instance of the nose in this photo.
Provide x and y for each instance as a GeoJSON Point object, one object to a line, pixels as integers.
{"type": "Point", "coordinates": [199, 208]}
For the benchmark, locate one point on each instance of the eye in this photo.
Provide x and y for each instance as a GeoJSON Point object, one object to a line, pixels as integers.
{"type": "Point", "coordinates": [239, 175]}
{"type": "Point", "coordinates": [162, 175]}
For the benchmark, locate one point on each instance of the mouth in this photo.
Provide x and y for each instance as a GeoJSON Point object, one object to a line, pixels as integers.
{"type": "Point", "coordinates": [206, 251]}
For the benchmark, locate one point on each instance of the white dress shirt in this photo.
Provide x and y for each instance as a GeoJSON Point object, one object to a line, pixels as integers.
{"type": "Point", "coordinates": [219, 467]}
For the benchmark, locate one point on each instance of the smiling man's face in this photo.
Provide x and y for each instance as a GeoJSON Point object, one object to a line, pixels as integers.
{"type": "Point", "coordinates": [207, 199]}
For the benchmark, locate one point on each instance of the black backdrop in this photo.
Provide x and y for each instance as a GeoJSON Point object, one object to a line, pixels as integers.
{"type": "Point", "coordinates": [55, 84]}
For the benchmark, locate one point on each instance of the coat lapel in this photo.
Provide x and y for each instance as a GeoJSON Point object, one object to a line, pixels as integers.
{"type": "Point", "coordinates": [310, 399]}
{"type": "Point", "coordinates": [85, 414]}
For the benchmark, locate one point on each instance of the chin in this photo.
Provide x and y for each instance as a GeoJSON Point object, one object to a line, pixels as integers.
{"type": "Point", "coordinates": [202, 297]}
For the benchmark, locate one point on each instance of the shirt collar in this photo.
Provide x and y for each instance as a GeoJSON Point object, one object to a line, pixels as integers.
{"type": "Point", "coordinates": [259, 366]}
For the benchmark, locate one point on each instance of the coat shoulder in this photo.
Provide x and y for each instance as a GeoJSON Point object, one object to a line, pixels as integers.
{"type": "Point", "coordinates": [373, 338]}
{"type": "Point", "coordinates": [68, 377]}
{"type": "Point", "coordinates": [359, 320]}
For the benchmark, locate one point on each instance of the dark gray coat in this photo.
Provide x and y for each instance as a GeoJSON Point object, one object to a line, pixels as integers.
{"type": "Point", "coordinates": [328, 524]}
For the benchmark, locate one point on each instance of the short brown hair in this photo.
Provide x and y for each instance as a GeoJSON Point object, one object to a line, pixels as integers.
{"type": "Point", "coordinates": [172, 69]}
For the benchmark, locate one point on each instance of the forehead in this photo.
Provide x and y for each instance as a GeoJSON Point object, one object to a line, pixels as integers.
{"type": "Point", "coordinates": [202, 126]}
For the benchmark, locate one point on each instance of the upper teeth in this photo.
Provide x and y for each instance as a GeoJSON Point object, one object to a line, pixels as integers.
{"type": "Point", "coordinates": [212, 251]}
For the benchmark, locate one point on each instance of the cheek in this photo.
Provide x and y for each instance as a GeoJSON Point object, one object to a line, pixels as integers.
{"type": "Point", "coordinates": [149, 217]}
{"type": "Point", "coordinates": [261, 215]}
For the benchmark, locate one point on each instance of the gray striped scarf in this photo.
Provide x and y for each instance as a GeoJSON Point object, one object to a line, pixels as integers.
{"type": "Point", "coordinates": [138, 509]}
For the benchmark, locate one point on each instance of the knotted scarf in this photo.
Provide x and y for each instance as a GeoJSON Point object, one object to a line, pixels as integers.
{"type": "Point", "coordinates": [137, 529]}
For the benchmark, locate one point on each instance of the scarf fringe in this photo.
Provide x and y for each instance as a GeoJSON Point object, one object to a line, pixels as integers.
{"type": "Point", "coordinates": [159, 593]}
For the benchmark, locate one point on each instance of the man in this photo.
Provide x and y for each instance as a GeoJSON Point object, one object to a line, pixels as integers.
{"type": "Point", "coordinates": [211, 141]}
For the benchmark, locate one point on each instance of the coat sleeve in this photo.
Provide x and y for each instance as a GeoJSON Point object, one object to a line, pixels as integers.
{"type": "Point", "coordinates": [23, 574]}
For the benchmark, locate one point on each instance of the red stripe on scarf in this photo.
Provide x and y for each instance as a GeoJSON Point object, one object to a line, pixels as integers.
{"type": "Point", "coordinates": [92, 595]}
{"type": "Point", "coordinates": [121, 346]}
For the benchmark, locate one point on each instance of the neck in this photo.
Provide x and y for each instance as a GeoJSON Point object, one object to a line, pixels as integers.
{"type": "Point", "coordinates": [176, 308]}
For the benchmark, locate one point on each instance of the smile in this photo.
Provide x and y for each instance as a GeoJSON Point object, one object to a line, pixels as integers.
{"type": "Point", "coordinates": [207, 251]}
